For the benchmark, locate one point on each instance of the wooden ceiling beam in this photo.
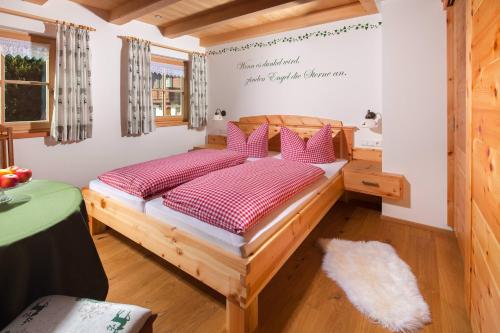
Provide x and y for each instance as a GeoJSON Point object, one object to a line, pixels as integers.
{"type": "Point", "coordinates": [320, 17]}
{"type": "Point", "coordinates": [370, 6]}
{"type": "Point", "coordinates": [134, 9]}
{"type": "Point", "coordinates": [222, 14]}
{"type": "Point", "coordinates": [37, 2]}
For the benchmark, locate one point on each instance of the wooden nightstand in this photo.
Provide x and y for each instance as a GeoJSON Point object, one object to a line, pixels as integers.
{"type": "Point", "coordinates": [209, 146]}
{"type": "Point", "coordinates": [217, 139]}
{"type": "Point", "coordinates": [367, 154]}
{"type": "Point", "coordinates": [213, 142]}
{"type": "Point", "coordinates": [367, 177]}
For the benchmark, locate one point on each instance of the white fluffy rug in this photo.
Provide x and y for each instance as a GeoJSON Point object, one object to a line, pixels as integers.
{"type": "Point", "coordinates": [377, 282]}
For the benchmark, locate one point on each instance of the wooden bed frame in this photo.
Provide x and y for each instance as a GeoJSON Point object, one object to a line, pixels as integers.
{"type": "Point", "coordinates": [239, 279]}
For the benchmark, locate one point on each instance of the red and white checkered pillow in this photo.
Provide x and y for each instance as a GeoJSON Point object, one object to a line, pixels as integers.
{"type": "Point", "coordinates": [255, 146]}
{"type": "Point", "coordinates": [235, 199]}
{"type": "Point", "coordinates": [154, 177]}
{"type": "Point", "coordinates": [317, 150]}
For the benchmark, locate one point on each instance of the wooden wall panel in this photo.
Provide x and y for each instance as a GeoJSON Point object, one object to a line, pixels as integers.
{"type": "Point", "coordinates": [485, 239]}
{"type": "Point", "coordinates": [485, 293]}
{"type": "Point", "coordinates": [485, 130]}
{"type": "Point", "coordinates": [457, 56]}
{"type": "Point", "coordinates": [459, 130]}
{"type": "Point", "coordinates": [450, 23]}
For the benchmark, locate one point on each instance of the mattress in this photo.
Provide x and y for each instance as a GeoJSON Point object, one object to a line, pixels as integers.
{"type": "Point", "coordinates": [136, 203]}
{"type": "Point", "coordinates": [242, 245]}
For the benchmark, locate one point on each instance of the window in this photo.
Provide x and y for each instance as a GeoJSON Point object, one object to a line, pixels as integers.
{"type": "Point", "coordinates": [26, 78]}
{"type": "Point", "coordinates": [169, 91]}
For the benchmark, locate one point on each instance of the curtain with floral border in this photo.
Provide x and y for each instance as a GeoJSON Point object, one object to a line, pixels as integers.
{"type": "Point", "coordinates": [72, 116]}
{"type": "Point", "coordinates": [140, 112]}
{"type": "Point", "coordinates": [198, 91]}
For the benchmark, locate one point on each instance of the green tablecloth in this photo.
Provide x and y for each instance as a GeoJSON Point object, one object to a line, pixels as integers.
{"type": "Point", "coordinates": [45, 248]}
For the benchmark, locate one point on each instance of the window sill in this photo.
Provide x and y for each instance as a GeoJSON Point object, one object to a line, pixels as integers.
{"type": "Point", "coordinates": [29, 135]}
{"type": "Point", "coordinates": [171, 123]}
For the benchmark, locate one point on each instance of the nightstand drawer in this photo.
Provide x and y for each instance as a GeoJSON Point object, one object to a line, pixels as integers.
{"type": "Point", "coordinates": [382, 185]}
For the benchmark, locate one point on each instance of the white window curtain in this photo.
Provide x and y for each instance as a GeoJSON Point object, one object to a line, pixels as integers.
{"type": "Point", "coordinates": [23, 48]}
{"type": "Point", "coordinates": [140, 112]}
{"type": "Point", "coordinates": [167, 69]}
{"type": "Point", "coordinates": [198, 91]}
{"type": "Point", "coordinates": [72, 117]}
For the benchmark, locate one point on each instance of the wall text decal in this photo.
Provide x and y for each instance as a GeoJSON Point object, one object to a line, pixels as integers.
{"type": "Point", "coordinates": [286, 75]}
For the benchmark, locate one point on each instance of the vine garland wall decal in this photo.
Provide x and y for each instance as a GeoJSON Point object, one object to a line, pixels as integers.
{"type": "Point", "coordinates": [295, 39]}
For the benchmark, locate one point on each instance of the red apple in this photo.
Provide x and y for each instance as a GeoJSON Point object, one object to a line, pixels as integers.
{"type": "Point", "coordinates": [23, 174]}
{"type": "Point", "coordinates": [13, 168]}
{"type": "Point", "coordinates": [7, 181]}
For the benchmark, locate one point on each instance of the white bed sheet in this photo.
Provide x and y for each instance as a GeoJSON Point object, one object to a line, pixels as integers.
{"type": "Point", "coordinates": [257, 235]}
{"type": "Point", "coordinates": [130, 200]}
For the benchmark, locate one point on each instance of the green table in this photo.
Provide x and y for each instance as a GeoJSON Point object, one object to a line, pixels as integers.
{"type": "Point", "coordinates": [46, 248]}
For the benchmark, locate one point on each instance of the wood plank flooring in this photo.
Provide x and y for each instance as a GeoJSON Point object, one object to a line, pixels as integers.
{"type": "Point", "coordinates": [300, 298]}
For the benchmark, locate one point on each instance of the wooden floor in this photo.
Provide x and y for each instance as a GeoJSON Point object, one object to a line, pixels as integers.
{"type": "Point", "coordinates": [300, 298]}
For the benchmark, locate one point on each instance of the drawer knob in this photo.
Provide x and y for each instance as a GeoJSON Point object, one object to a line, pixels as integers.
{"type": "Point", "coordinates": [367, 183]}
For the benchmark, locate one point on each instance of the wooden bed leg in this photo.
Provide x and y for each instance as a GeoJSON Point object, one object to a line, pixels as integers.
{"type": "Point", "coordinates": [96, 227]}
{"type": "Point", "coordinates": [240, 320]}
{"type": "Point", "coordinates": [345, 197]}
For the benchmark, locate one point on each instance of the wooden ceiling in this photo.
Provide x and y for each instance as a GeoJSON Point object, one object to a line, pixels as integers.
{"type": "Point", "coordinates": [221, 21]}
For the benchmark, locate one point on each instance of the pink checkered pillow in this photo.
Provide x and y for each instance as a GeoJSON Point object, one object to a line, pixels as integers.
{"type": "Point", "coordinates": [255, 146]}
{"type": "Point", "coordinates": [317, 150]}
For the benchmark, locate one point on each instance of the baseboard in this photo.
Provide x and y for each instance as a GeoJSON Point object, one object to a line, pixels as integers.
{"type": "Point", "coordinates": [416, 225]}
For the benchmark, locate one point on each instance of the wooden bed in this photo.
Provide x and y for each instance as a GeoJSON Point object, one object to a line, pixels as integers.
{"type": "Point", "coordinates": [239, 279]}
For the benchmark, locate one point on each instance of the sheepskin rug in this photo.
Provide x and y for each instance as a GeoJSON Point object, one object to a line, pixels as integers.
{"type": "Point", "coordinates": [377, 282]}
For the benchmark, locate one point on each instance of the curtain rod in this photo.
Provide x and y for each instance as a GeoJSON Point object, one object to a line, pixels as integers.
{"type": "Point", "coordinates": [161, 45]}
{"type": "Point", "coordinates": [42, 19]}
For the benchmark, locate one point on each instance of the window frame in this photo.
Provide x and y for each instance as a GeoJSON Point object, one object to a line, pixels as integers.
{"type": "Point", "coordinates": [165, 121]}
{"type": "Point", "coordinates": [30, 129]}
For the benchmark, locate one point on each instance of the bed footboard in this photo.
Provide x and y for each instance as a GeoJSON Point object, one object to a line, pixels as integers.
{"type": "Point", "coordinates": [239, 279]}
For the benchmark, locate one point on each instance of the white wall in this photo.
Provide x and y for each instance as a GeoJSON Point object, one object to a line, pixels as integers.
{"type": "Point", "coordinates": [357, 53]}
{"type": "Point", "coordinates": [407, 57]}
{"type": "Point", "coordinates": [78, 163]}
{"type": "Point", "coordinates": [414, 99]}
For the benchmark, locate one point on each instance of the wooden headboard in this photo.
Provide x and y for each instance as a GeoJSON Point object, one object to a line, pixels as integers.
{"type": "Point", "coordinates": [343, 136]}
